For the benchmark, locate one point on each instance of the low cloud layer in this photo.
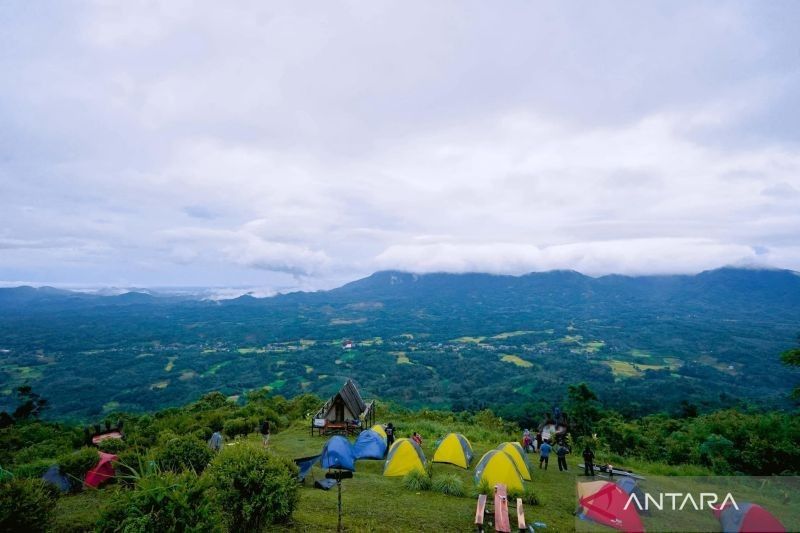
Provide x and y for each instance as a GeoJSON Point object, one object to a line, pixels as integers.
{"type": "Point", "coordinates": [277, 145]}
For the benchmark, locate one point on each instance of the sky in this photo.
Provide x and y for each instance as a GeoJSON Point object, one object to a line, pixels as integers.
{"type": "Point", "coordinates": [305, 144]}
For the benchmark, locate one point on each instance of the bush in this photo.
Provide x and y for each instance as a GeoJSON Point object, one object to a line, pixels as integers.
{"type": "Point", "coordinates": [449, 484]}
{"type": "Point", "coordinates": [34, 470]}
{"type": "Point", "coordinates": [114, 446]}
{"type": "Point", "coordinates": [238, 426]}
{"type": "Point", "coordinates": [184, 453]}
{"type": "Point", "coordinates": [75, 465]}
{"type": "Point", "coordinates": [168, 502]}
{"type": "Point", "coordinates": [26, 505]}
{"type": "Point", "coordinates": [482, 488]}
{"type": "Point", "coordinates": [527, 494]}
{"type": "Point", "coordinates": [417, 481]}
{"type": "Point", "coordinates": [253, 487]}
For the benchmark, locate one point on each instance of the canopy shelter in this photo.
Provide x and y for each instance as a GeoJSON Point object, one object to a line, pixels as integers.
{"type": "Point", "coordinates": [369, 445]}
{"type": "Point", "coordinates": [605, 502]}
{"type": "Point", "coordinates": [344, 413]}
{"type": "Point", "coordinates": [338, 453]}
{"type": "Point", "coordinates": [496, 466]}
{"type": "Point", "coordinates": [404, 456]}
{"type": "Point", "coordinates": [748, 518]}
{"type": "Point", "coordinates": [514, 449]}
{"type": "Point", "coordinates": [454, 449]}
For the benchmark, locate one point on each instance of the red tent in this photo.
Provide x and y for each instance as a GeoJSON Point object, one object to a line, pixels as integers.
{"type": "Point", "coordinates": [102, 472]}
{"type": "Point", "coordinates": [604, 502]}
{"type": "Point", "coordinates": [748, 518]}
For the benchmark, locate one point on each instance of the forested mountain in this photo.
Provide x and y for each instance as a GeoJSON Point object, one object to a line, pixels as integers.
{"type": "Point", "coordinates": [445, 340]}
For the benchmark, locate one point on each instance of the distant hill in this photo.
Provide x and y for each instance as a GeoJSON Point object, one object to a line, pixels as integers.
{"type": "Point", "coordinates": [449, 340]}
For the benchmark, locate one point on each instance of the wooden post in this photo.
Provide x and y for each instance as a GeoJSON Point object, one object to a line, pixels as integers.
{"type": "Point", "coordinates": [339, 486]}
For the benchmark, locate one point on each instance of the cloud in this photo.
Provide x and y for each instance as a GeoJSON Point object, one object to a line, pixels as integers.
{"type": "Point", "coordinates": [255, 144]}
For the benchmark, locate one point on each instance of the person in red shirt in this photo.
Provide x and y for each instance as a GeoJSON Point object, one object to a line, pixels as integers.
{"type": "Point", "coordinates": [416, 437]}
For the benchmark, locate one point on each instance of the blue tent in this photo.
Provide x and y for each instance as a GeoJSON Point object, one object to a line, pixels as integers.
{"type": "Point", "coordinates": [338, 453]}
{"type": "Point", "coordinates": [369, 445]}
{"type": "Point", "coordinates": [54, 476]}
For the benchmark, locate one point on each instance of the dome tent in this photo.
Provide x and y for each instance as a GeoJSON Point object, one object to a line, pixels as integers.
{"type": "Point", "coordinates": [338, 453]}
{"type": "Point", "coordinates": [748, 517]}
{"type": "Point", "coordinates": [369, 445]}
{"type": "Point", "coordinates": [377, 428]}
{"type": "Point", "coordinates": [496, 466]}
{"type": "Point", "coordinates": [404, 457]}
{"type": "Point", "coordinates": [454, 449]}
{"type": "Point", "coordinates": [514, 449]}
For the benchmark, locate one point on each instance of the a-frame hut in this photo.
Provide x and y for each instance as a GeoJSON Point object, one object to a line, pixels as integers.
{"type": "Point", "coordinates": [345, 412]}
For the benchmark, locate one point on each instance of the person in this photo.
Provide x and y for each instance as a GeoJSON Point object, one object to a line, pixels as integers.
{"type": "Point", "coordinates": [265, 432]}
{"type": "Point", "coordinates": [389, 429]}
{"type": "Point", "coordinates": [526, 441]}
{"type": "Point", "coordinates": [215, 442]}
{"type": "Point", "coordinates": [544, 454]}
{"type": "Point", "coordinates": [588, 461]}
{"type": "Point", "coordinates": [416, 437]}
{"type": "Point", "coordinates": [562, 452]}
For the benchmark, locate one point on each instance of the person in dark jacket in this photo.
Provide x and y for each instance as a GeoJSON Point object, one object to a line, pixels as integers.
{"type": "Point", "coordinates": [544, 454]}
{"type": "Point", "coordinates": [265, 430]}
{"type": "Point", "coordinates": [562, 452]}
{"type": "Point", "coordinates": [588, 462]}
{"type": "Point", "coordinates": [389, 435]}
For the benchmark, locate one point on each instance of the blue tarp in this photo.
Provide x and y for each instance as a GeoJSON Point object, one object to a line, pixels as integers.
{"type": "Point", "coordinates": [305, 464]}
{"type": "Point", "coordinates": [338, 453]}
{"type": "Point", "coordinates": [369, 445]}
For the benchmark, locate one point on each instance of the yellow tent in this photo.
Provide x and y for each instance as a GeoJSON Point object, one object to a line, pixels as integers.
{"type": "Point", "coordinates": [454, 449]}
{"type": "Point", "coordinates": [404, 456]}
{"type": "Point", "coordinates": [377, 428]}
{"type": "Point", "coordinates": [496, 466]}
{"type": "Point", "coordinates": [514, 449]}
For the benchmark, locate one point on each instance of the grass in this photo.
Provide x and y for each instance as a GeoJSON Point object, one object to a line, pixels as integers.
{"type": "Point", "coordinates": [509, 334]}
{"type": "Point", "coordinates": [470, 340]}
{"type": "Point", "coordinates": [516, 360]}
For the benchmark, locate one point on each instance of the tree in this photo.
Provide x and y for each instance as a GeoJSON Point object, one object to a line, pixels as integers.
{"type": "Point", "coordinates": [792, 358]}
{"type": "Point", "coordinates": [31, 404]}
{"type": "Point", "coordinates": [583, 409]}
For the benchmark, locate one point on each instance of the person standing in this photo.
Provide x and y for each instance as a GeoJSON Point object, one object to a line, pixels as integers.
{"type": "Point", "coordinates": [588, 461]}
{"type": "Point", "coordinates": [562, 452]}
{"type": "Point", "coordinates": [216, 441]}
{"type": "Point", "coordinates": [265, 431]}
{"type": "Point", "coordinates": [544, 454]}
{"type": "Point", "coordinates": [389, 435]}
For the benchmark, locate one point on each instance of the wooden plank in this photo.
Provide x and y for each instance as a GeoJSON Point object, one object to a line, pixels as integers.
{"type": "Point", "coordinates": [501, 521]}
{"type": "Point", "coordinates": [479, 511]}
{"type": "Point", "coordinates": [520, 515]}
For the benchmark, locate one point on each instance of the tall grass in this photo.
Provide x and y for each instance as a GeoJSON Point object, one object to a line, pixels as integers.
{"type": "Point", "coordinates": [417, 480]}
{"type": "Point", "coordinates": [449, 484]}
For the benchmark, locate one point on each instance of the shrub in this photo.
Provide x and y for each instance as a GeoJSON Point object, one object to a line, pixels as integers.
{"type": "Point", "coordinates": [528, 496]}
{"type": "Point", "coordinates": [253, 487]}
{"type": "Point", "coordinates": [168, 502]}
{"type": "Point", "coordinates": [449, 484]}
{"type": "Point", "coordinates": [238, 426]}
{"type": "Point", "coordinates": [417, 481]}
{"type": "Point", "coordinates": [482, 488]}
{"type": "Point", "coordinates": [184, 453]}
{"type": "Point", "coordinates": [26, 505]}
{"type": "Point", "coordinates": [75, 465]}
{"type": "Point", "coordinates": [112, 446]}
{"type": "Point", "coordinates": [32, 470]}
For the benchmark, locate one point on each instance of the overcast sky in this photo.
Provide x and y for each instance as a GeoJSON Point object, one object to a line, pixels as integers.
{"type": "Point", "coordinates": [303, 144]}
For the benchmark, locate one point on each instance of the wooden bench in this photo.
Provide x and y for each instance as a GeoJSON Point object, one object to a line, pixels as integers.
{"type": "Point", "coordinates": [501, 521]}
{"type": "Point", "coordinates": [480, 510]}
{"type": "Point", "coordinates": [521, 516]}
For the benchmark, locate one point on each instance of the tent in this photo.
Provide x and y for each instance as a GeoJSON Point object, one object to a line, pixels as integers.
{"type": "Point", "coordinates": [338, 453]}
{"type": "Point", "coordinates": [103, 470]}
{"type": "Point", "coordinates": [514, 449]}
{"type": "Point", "coordinates": [454, 449]}
{"type": "Point", "coordinates": [369, 445]}
{"type": "Point", "coordinates": [404, 456]}
{"type": "Point", "coordinates": [604, 502]}
{"type": "Point", "coordinates": [377, 428]}
{"type": "Point", "coordinates": [55, 477]}
{"type": "Point", "coordinates": [304, 464]}
{"type": "Point", "coordinates": [496, 466]}
{"type": "Point", "coordinates": [749, 517]}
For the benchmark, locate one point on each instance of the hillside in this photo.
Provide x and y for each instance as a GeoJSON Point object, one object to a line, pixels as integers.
{"type": "Point", "coordinates": [710, 339]}
{"type": "Point", "coordinates": [167, 478]}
